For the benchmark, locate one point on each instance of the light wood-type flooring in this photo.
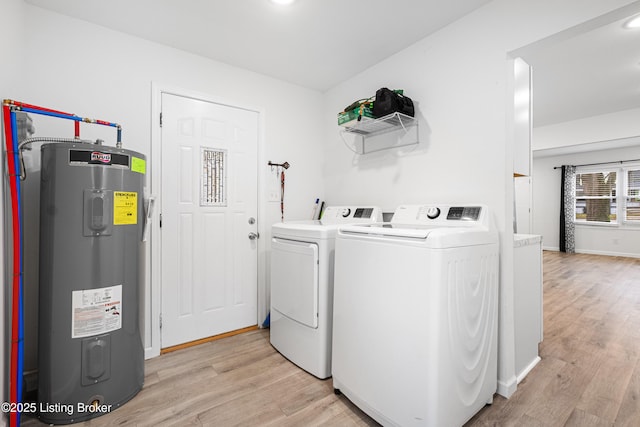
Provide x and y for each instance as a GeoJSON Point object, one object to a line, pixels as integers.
{"type": "Point", "coordinates": [589, 374]}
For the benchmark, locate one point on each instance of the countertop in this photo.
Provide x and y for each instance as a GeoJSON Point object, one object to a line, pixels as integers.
{"type": "Point", "coordinates": [520, 240]}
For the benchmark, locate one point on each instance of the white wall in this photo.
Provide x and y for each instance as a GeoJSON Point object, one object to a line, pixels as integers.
{"type": "Point", "coordinates": [607, 127]}
{"type": "Point", "coordinates": [623, 240]}
{"type": "Point", "coordinates": [11, 21]}
{"type": "Point", "coordinates": [459, 77]}
{"type": "Point", "coordinates": [88, 70]}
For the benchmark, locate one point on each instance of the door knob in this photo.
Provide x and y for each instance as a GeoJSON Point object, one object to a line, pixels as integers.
{"type": "Point", "coordinates": [253, 236]}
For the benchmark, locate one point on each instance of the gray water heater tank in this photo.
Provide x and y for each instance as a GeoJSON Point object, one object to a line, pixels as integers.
{"type": "Point", "coordinates": [90, 352]}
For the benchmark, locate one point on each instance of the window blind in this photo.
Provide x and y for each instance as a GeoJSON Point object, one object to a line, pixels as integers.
{"type": "Point", "coordinates": [632, 195]}
{"type": "Point", "coordinates": [596, 199]}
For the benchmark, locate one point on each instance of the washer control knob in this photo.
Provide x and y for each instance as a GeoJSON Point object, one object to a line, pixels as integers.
{"type": "Point", "coordinates": [433, 213]}
{"type": "Point", "coordinates": [346, 212]}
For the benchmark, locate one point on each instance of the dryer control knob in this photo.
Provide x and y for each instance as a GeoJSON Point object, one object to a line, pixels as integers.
{"type": "Point", "coordinates": [346, 212]}
{"type": "Point", "coordinates": [433, 213]}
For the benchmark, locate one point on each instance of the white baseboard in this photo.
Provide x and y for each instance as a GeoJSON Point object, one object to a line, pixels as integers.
{"type": "Point", "coordinates": [151, 352]}
{"type": "Point", "coordinates": [506, 389]}
{"type": "Point", "coordinates": [591, 252]}
{"type": "Point", "coordinates": [606, 253]}
{"type": "Point", "coordinates": [528, 369]}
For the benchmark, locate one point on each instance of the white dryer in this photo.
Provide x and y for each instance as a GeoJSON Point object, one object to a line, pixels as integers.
{"type": "Point", "coordinates": [302, 259]}
{"type": "Point", "coordinates": [415, 315]}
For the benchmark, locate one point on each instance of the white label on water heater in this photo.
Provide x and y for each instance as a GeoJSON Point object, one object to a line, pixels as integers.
{"type": "Point", "coordinates": [96, 311]}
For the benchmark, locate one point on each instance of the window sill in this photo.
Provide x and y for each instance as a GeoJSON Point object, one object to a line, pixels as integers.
{"type": "Point", "coordinates": [623, 226]}
{"type": "Point", "coordinates": [598, 224]}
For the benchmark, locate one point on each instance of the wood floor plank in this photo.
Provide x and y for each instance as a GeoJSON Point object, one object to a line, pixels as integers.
{"type": "Point", "coordinates": [327, 411]}
{"type": "Point", "coordinates": [572, 379]}
{"type": "Point", "coordinates": [580, 418]}
{"type": "Point", "coordinates": [510, 411]}
{"type": "Point", "coordinates": [227, 387]}
{"type": "Point", "coordinates": [553, 409]}
{"type": "Point", "coordinates": [629, 413]}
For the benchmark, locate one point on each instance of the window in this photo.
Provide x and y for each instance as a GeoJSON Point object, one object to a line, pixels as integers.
{"type": "Point", "coordinates": [632, 200]}
{"type": "Point", "coordinates": [607, 196]}
{"type": "Point", "coordinates": [596, 197]}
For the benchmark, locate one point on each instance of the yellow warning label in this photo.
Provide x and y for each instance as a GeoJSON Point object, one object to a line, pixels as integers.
{"type": "Point", "coordinates": [138, 165]}
{"type": "Point", "coordinates": [125, 207]}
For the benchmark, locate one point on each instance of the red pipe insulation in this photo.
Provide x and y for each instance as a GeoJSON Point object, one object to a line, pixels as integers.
{"type": "Point", "coordinates": [76, 129]}
{"type": "Point", "coordinates": [61, 114]}
{"type": "Point", "coordinates": [13, 386]}
{"type": "Point", "coordinates": [35, 107]}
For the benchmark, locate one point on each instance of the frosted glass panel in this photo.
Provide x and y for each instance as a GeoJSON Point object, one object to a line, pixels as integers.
{"type": "Point", "coordinates": [213, 178]}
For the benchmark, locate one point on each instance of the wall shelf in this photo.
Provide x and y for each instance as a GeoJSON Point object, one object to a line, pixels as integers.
{"type": "Point", "coordinates": [368, 128]}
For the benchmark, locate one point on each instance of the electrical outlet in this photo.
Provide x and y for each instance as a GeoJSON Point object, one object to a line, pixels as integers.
{"type": "Point", "coordinates": [274, 196]}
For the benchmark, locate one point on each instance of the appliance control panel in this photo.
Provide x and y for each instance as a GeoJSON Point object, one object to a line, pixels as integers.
{"type": "Point", "coordinates": [445, 215]}
{"type": "Point", "coordinates": [466, 213]}
{"type": "Point", "coordinates": [351, 214]}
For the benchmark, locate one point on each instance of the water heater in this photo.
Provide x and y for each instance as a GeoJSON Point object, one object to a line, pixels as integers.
{"type": "Point", "coordinates": [91, 357]}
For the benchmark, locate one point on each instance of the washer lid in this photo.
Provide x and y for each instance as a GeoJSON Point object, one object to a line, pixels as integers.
{"type": "Point", "coordinates": [430, 237]}
{"type": "Point", "coordinates": [388, 229]}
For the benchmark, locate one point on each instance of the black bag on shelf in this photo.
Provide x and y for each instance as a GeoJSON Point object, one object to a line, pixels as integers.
{"type": "Point", "coordinates": [388, 101]}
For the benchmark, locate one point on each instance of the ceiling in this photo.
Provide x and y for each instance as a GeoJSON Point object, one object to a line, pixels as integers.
{"type": "Point", "coordinates": [312, 43]}
{"type": "Point", "coordinates": [590, 73]}
{"type": "Point", "coordinates": [319, 43]}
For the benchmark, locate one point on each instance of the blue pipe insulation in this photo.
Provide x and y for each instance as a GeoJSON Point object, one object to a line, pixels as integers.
{"type": "Point", "coordinates": [20, 367]}
{"type": "Point", "coordinates": [52, 114]}
{"type": "Point", "coordinates": [69, 117]}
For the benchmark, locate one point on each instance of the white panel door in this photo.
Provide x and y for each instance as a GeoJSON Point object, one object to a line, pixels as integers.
{"type": "Point", "coordinates": [209, 219]}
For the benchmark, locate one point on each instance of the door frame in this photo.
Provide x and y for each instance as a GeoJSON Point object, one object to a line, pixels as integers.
{"type": "Point", "coordinates": [153, 286]}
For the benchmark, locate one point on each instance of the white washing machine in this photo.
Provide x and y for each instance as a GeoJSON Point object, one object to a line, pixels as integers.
{"type": "Point", "coordinates": [302, 258]}
{"type": "Point", "coordinates": [415, 315]}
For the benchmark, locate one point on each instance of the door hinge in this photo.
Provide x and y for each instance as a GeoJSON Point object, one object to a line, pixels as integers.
{"type": "Point", "coordinates": [160, 119]}
{"type": "Point", "coordinates": [160, 220]}
{"type": "Point", "coordinates": [160, 320]}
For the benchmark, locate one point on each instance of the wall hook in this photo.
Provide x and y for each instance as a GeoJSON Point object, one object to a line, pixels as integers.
{"type": "Point", "coordinates": [284, 165]}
